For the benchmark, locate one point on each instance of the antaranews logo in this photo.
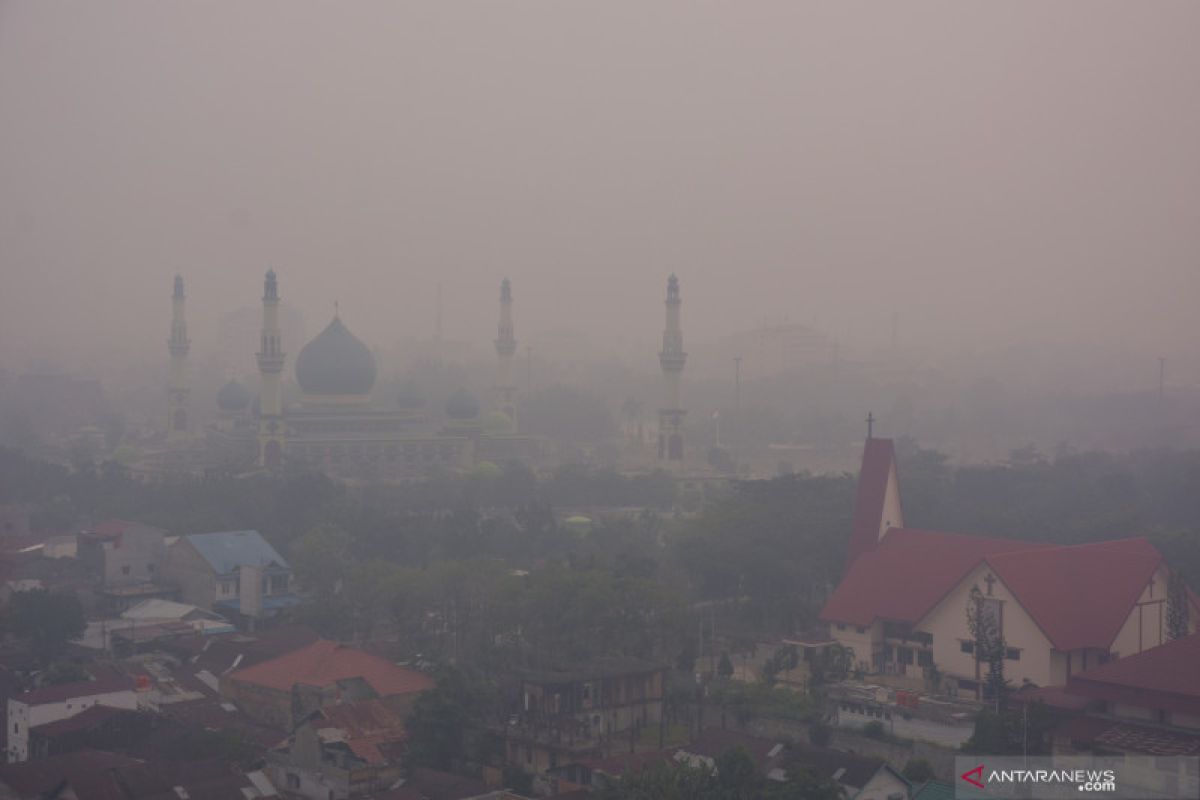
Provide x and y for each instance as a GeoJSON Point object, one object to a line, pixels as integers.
{"type": "Point", "coordinates": [1129, 777]}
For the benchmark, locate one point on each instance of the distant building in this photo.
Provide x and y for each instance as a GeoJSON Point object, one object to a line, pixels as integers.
{"type": "Point", "coordinates": [901, 606]}
{"type": "Point", "coordinates": [125, 559]}
{"type": "Point", "coordinates": [586, 711]}
{"type": "Point", "coordinates": [214, 570]}
{"type": "Point", "coordinates": [286, 690]}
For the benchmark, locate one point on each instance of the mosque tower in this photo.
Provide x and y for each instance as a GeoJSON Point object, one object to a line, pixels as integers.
{"type": "Point", "coordinates": [506, 347]}
{"type": "Point", "coordinates": [177, 382]}
{"type": "Point", "coordinates": [271, 430]}
{"type": "Point", "coordinates": [672, 358]}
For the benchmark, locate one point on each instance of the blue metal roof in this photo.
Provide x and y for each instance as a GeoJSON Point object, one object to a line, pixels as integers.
{"type": "Point", "coordinates": [270, 602]}
{"type": "Point", "coordinates": [229, 550]}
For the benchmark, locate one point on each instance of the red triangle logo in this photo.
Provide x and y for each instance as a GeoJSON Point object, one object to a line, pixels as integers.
{"type": "Point", "coordinates": [977, 780]}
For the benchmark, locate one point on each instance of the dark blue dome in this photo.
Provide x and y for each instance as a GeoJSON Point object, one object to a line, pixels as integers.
{"type": "Point", "coordinates": [335, 363]}
{"type": "Point", "coordinates": [233, 396]}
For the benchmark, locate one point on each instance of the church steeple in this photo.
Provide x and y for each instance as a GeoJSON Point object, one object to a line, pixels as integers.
{"type": "Point", "coordinates": [271, 430]}
{"type": "Point", "coordinates": [506, 348]}
{"type": "Point", "coordinates": [178, 346]}
{"type": "Point", "coordinates": [671, 359]}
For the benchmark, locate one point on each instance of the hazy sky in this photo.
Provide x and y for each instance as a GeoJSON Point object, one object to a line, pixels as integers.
{"type": "Point", "coordinates": [993, 172]}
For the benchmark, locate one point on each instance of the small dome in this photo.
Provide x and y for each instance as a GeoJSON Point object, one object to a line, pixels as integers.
{"type": "Point", "coordinates": [233, 396]}
{"type": "Point", "coordinates": [335, 363]}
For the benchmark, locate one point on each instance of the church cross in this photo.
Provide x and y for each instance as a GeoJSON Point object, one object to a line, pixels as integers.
{"type": "Point", "coordinates": [990, 580]}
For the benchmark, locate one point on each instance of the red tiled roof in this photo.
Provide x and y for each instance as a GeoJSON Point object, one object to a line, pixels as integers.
{"type": "Point", "coordinates": [1079, 595]}
{"type": "Point", "coordinates": [88, 772]}
{"type": "Point", "coordinates": [879, 457]}
{"type": "Point", "coordinates": [1167, 677]}
{"type": "Point", "coordinates": [909, 573]}
{"type": "Point", "coordinates": [323, 663]}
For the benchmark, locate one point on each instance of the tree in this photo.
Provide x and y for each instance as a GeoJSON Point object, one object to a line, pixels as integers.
{"type": "Point", "coordinates": [918, 770]}
{"type": "Point", "coordinates": [446, 726]}
{"type": "Point", "coordinates": [47, 619]}
{"type": "Point", "coordinates": [725, 666]}
{"type": "Point", "coordinates": [1178, 623]}
{"type": "Point", "coordinates": [984, 624]}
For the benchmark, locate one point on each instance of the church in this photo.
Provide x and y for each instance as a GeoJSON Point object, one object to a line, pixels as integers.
{"type": "Point", "coordinates": [901, 605]}
{"type": "Point", "coordinates": [337, 424]}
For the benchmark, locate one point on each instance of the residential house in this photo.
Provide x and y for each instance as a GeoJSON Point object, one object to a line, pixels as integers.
{"type": "Point", "coordinates": [284, 691]}
{"type": "Point", "coordinates": [234, 572]}
{"type": "Point", "coordinates": [62, 701]}
{"type": "Point", "coordinates": [902, 604]}
{"type": "Point", "coordinates": [124, 560]}
{"type": "Point", "coordinates": [341, 751]}
{"type": "Point", "coordinates": [568, 714]}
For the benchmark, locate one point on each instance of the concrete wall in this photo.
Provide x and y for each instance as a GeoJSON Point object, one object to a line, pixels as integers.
{"type": "Point", "coordinates": [1146, 625]}
{"type": "Point", "coordinates": [138, 558]}
{"type": "Point", "coordinates": [187, 568]}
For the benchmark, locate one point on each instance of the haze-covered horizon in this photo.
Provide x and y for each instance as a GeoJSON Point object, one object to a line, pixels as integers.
{"type": "Point", "coordinates": [993, 177]}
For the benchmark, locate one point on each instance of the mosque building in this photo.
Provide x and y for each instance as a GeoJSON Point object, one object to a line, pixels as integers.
{"type": "Point", "coordinates": [338, 424]}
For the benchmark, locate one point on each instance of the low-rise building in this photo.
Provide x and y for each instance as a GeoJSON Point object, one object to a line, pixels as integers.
{"type": "Point", "coordinates": [59, 702]}
{"type": "Point", "coordinates": [286, 690]}
{"type": "Point", "coordinates": [235, 572]}
{"type": "Point", "coordinates": [342, 751]}
{"type": "Point", "coordinates": [125, 561]}
{"type": "Point", "coordinates": [583, 712]}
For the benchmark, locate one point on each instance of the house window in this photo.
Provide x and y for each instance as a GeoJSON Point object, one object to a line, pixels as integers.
{"type": "Point", "coordinates": [293, 780]}
{"type": "Point", "coordinates": [967, 686]}
{"type": "Point", "coordinates": [860, 629]}
{"type": "Point", "coordinates": [150, 568]}
{"type": "Point", "coordinates": [841, 626]}
{"type": "Point", "coordinates": [924, 658]}
{"type": "Point", "coordinates": [1012, 654]}
{"type": "Point", "coordinates": [125, 570]}
{"type": "Point", "coordinates": [966, 646]}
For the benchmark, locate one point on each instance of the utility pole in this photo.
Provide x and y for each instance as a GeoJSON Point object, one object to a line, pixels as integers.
{"type": "Point", "coordinates": [528, 369]}
{"type": "Point", "coordinates": [732, 436]}
{"type": "Point", "coordinates": [1162, 373]}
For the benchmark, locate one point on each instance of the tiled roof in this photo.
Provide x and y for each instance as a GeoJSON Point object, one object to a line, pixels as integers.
{"type": "Point", "coordinates": [1167, 677]}
{"type": "Point", "coordinates": [910, 571]}
{"type": "Point", "coordinates": [87, 771]}
{"type": "Point", "coordinates": [879, 456]}
{"type": "Point", "coordinates": [1080, 595]}
{"type": "Point", "coordinates": [228, 550]}
{"type": "Point", "coordinates": [323, 663]}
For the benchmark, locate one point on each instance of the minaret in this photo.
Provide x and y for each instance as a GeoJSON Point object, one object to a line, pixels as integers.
{"type": "Point", "coordinates": [672, 358]}
{"type": "Point", "coordinates": [271, 430]}
{"type": "Point", "coordinates": [506, 347]}
{"type": "Point", "coordinates": [177, 382]}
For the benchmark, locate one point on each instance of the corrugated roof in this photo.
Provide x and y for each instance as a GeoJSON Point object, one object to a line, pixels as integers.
{"type": "Point", "coordinates": [227, 550]}
{"type": "Point", "coordinates": [68, 691]}
{"type": "Point", "coordinates": [324, 663]}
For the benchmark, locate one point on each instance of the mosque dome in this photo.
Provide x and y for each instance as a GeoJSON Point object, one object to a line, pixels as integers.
{"type": "Point", "coordinates": [233, 396]}
{"type": "Point", "coordinates": [336, 362]}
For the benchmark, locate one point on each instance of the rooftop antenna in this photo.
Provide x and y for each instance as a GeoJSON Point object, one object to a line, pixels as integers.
{"type": "Point", "coordinates": [437, 315]}
{"type": "Point", "coordinates": [1162, 372]}
{"type": "Point", "coordinates": [870, 425]}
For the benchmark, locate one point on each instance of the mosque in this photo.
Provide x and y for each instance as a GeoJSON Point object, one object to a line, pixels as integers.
{"type": "Point", "coordinates": [336, 424]}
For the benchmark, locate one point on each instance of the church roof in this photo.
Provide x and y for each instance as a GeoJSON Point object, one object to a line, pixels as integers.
{"type": "Point", "coordinates": [1079, 595]}
{"type": "Point", "coordinates": [908, 573]}
{"type": "Point", "coordinates": [879, 456]}
{"type": "Point", "coordinates": [336, 362]}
